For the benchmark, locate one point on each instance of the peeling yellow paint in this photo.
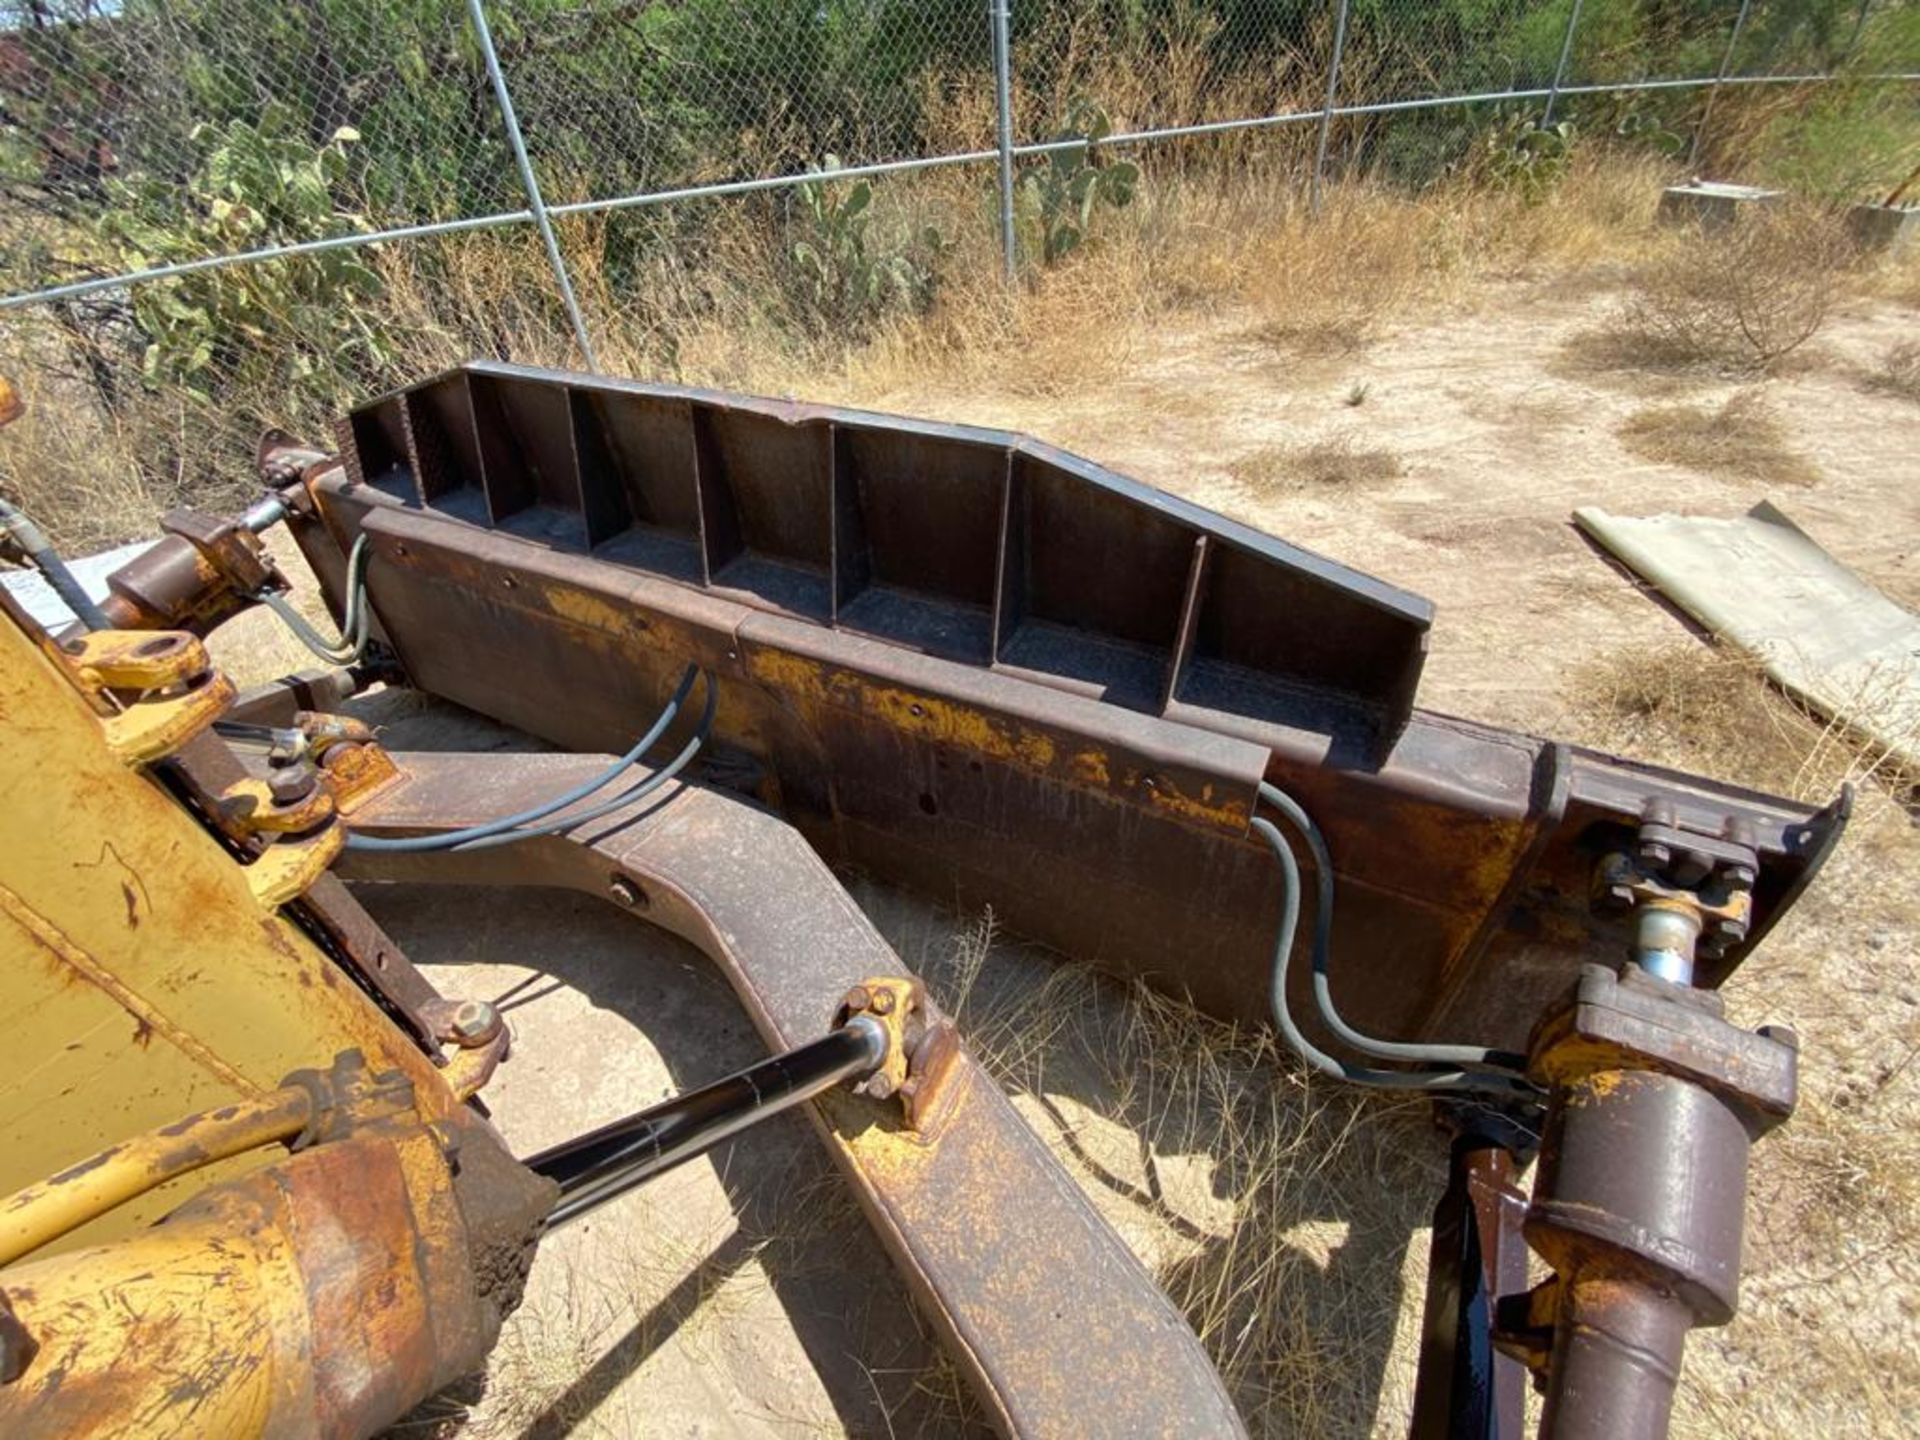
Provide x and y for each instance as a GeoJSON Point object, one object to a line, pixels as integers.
{"type": "Point", "coordinates": [880, 1147]}
{"type": "Point", "coordinates": [583, 607]}
{"type": "Point", "coordinates": [1090, 768]}
{"type": "Point", "coordinates": [1204, 810]}
{"type": "Point", "coordinates": [923, 716]}
{"type": "Point", "coordinates": [814, 685]}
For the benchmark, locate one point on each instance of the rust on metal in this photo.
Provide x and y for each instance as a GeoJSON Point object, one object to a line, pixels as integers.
{"type": "Point", "coordinates": [41, 1213]}
{"type": "Point", "coordinates": [130, 660]}
{"type": "Point", "coordinates": [152, 692]}
{"type": "Point", "coordinates": [1477, 1255]}
{"type": "Point", "coordinates": [324, 1295]}
{"type": "Point", "coordinates": [354, 769]}
{"type": "Point", "coordinates": [17, 1345]}
{"type": "Point", "coordinates": [990, 672]}
{"type": "Point", "coordinates": [983, 1225]}
{"type": "Point", "coordinates": [250, 807]}
{"type": "Point", "coordinates": [922, 1047]}
{"type": "Point", "coordinates": [977, 667]}
{"type": "Point", "coordinates": [202, 570]}
{"type": "Point", "coordinates": [1639, 1203]}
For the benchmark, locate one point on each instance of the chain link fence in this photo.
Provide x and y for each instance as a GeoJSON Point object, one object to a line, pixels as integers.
{"type": "Point", "coordinates": [261, 209]}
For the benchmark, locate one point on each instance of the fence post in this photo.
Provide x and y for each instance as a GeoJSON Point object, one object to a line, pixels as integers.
{"type": "Point", "coordinates": [1859, 24]}
{"type": "Point", "coordinates": [1326, 114]}
{"type": "Point", "coordinates": [1560, 70]}
{"type": "Point", "coordinates": [1001, 21]}
{"type": "Point", "coordinates": [538, 206]}
{"type": "Point", "coordinates": [1713, 90]}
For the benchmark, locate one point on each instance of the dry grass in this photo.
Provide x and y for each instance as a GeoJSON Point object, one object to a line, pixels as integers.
{"type": "Point", "coordinates": [705, 295]}
{"type": "Point", "coordinates": [1711, 708]}
{"type": "Point", "coordinates": [1339, 462]}
{"type": "Point", "coordinates": [1741, 438]}
{"type": "Point", "coordinates": [1738, 300]}
{"type": "Point", "coordinates": [1330, 285]}
{"type": "Point", "coordinates": [83, 482]}
{"type": "Point", "coordinates": [1235, 1175]}
{"type": "Point", "coordinates": [1899, 372]}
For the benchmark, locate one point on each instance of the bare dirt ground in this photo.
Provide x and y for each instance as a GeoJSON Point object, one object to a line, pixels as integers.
{"type": "Point", "coordinates": [739, 1296]}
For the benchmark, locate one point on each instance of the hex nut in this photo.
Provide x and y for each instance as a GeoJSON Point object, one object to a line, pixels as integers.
{"type": "Point", "coordinates": [474, 1023]}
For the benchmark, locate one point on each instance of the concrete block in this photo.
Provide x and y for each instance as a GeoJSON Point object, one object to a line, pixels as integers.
{"type": "Point", "coordinates": [1711, 204]}
{"type": "Point", "coordinates": [1886, 229]}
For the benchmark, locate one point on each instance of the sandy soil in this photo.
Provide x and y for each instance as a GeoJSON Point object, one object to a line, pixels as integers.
{"type": "Point", "coordinates": [730, 1298]}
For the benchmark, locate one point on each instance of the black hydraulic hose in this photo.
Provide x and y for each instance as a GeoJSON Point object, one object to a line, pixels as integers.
{"type": "Point", "coordinates": [39, 549]}
{"type": "Point", "coordinates": [1317, 1058]}
{"type": "Point", "coordinates": [1477, 1055]}
{"type": "Point", "coordinates": [355, 616]}
{"type": "Point", "coordinates": [596, 1167]}
{"type": "Point", "coordinates": [626, 797]}
{"type": "Point", "coordinates": [449, 839]}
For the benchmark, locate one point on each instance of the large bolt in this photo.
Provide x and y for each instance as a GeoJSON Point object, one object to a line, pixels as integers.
{"type": "Point", "coordinates": [290, 784]}
{"type": "Point", "coordinates": [474, 1023]}
{"type": "Point", "coordinates": [626, 893]}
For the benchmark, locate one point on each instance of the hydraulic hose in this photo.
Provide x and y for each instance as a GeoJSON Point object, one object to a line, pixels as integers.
{"type": "Point", "coordinates": [1320, 1060]}
{"type": "Point", "coordinates": [355, 617]}
{"type": "Point", "coordinates": [39, 549]}
{"type": "Point", "coordinates": [453, 839]}
{"type": "Point", "coordinates": [625, 798]}
{"type": "Point", "coordinates": [42, 1213]}
{"type": "Point", "coordinates": [1476, 1055]}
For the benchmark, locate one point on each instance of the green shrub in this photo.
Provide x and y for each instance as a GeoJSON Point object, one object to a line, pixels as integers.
{"type": "Point", "coordinates": [1521, 155]}
{"type": "Point", "coordinates": [1058, 197]}
{"type": "Point", "coordinates": [301, 325]}
{"type": "Point", "coordinates": [845, 279]}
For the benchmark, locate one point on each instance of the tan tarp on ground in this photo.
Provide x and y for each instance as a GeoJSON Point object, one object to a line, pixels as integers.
{"type": "Point", "coordinates": [1759, 582]}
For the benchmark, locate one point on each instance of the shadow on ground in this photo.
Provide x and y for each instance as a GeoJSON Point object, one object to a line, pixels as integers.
{"type": "Point", "coordinates": [1277, 1212]}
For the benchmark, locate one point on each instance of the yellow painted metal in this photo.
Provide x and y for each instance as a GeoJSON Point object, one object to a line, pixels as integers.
{"type": "Point", "coordinates": [286, 869]}
{"type": "Point", "coordinates": [144, 974]}
{"type": "Point", "coordinates": [236, 1300]}
{"type": "Point", "coordinates": [249, 805]}
{"type": "Point", "coordinates": [62, 1203]}
{"type": "Point", "coordinates": [135, 659]}
{"type": "Point", "coordinates": [188, 695]}
{"type": "Point", "coordinates": [157, 727]}
{"type": "Point", "coordinates": [322, 1296]}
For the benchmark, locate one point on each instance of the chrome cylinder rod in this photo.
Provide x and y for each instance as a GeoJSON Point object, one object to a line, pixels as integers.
{"type": "Point", "coordinates": [593, 1168]}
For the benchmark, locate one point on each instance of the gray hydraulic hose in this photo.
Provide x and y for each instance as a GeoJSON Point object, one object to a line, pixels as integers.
{"type": "Point", "coordinates": [1322, 949]}
{"type": "Point", "coordinates": [629, 796]}
{"type": "Point", "coordinates": [1315, 1057]}
{"type": "Point", "coordinates": [449, 839]}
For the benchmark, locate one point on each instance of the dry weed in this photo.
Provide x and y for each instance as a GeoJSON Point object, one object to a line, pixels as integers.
{"type": "Point", "coordinates": [84, 485]}
{"type": "Point", "coordinates": [1339, 462]}
{"type": "Point", "coordinates": [1739, 299]}
{"type": "Point", "coordinates": [1711, 708]}
{"type": "Point", "coordinates": [1331, 284]}
{"type": "Point", "coordinates": [1899, 372]}
{"type": "Point", "coordinates": [1742, 439]}
{"type": "Point", "coordinates": [1254, 1191]}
